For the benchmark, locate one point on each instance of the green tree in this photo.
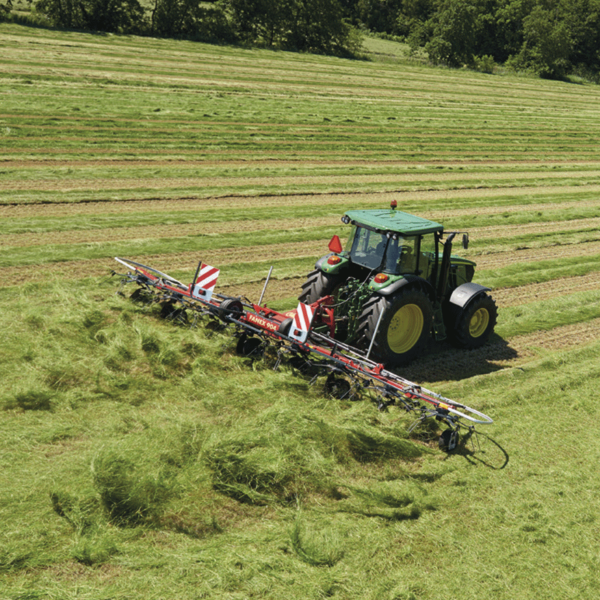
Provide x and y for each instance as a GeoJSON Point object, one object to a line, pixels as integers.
{"type": "Point", "coordinates": [378, 15]}
{"type": "Point", "coordinates": [96, 15]}
{"type": "Point", "coordinates": [411, 20]}
{"type": "Point", "coordinates": [454, 32]}
{"type": "Point", "coordinates": [547, 43]}
{"type": "Point", "coordinates": [318, 26]}
{"type": "Point", "coordinates": [5, 8]}
{"type": "Point", "coordinates": [305, 25]}
{"type": "Point", "coordinates": [261, 21]}
{"type": "Point", "coordinates": [582, 18]}
{"type": "Point", "coordinates": [190, 19]}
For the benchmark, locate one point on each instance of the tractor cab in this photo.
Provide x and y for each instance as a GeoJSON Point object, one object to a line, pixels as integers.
{"type": "Point", "coordinates": [394, 245]}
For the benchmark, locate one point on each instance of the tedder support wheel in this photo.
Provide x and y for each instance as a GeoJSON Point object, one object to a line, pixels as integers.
{"type": "Point", "coordinates": [317, 285]}
{"type": "Point", "coordinates": [404, 328]}
{"type": "Point", "coordinates": [475, 323]}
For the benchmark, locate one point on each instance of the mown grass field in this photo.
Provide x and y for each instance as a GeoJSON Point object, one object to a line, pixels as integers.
{"type": "Point", "coordinates": [144, 460]}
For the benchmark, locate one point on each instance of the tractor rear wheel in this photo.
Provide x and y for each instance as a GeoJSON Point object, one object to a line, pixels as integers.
{"type": "Point", "coordinates": [474, 324]}
{"type": "Point", "coordinates": [404, 328]}
{"type": "Point", "coordinates": [317, 285]}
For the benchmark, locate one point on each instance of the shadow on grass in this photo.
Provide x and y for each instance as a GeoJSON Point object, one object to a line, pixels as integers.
{"type": "Point", "coordinates": [487, 452]}
{"type": "Point", "coordinates": [445, 362]}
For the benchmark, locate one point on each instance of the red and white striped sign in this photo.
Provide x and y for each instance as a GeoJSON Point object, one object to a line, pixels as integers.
{"type": "Point", "coordinates": [205, 284]}
{"type": "Point", "coordinates": [302, 322]}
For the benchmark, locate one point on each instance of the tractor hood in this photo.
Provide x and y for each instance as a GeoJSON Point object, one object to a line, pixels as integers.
{"type": "Point", "coordinates": [393, 220]}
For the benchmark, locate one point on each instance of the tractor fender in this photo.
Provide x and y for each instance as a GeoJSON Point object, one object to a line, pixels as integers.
{"type": "Point", "coordinates": [406, 280]}
{"type": "Point", "coordinates": [321, 261]}
{"type": "Point", "coordinates": [464, 293]}
{"type": "Point", "coordinates": [324, 267]}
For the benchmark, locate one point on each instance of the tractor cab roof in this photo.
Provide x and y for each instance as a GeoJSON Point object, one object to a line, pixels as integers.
{"type": "Point", "coordinates": [394, 221]}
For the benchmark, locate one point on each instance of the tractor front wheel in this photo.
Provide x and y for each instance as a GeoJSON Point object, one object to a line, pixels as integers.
{"type": "Point", "coordinates": [318, 285]}
{"type": "Point", "coordinates": [404, 329]}
{"type": "Point", "coordinates": [475, 323]}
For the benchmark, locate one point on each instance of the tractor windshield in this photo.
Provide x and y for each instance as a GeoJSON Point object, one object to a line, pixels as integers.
{"type": "Point", "coordinates": [368, 248]}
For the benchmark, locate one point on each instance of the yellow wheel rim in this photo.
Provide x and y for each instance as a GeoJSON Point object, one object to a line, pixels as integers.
{"type": "Point", "coordinates": [405, 328]}
{"type": "Point", "coordinates": [479, 322]}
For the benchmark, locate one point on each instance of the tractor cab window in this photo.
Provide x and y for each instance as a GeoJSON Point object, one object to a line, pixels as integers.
{"type": "Point", "coordinates": [427, 258]}
{"type": "Point", "coordinates": [368, 248]}
{"type": "Point", "coordinates": [350, 240]}
{"type": "Point", "coordinates": [401, 256]}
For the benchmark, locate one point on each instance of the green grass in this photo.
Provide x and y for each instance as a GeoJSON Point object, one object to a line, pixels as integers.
{"type": "Point", "coordinates": [140, 459]}
{"type": "Point", "coordinates": [145, 463]}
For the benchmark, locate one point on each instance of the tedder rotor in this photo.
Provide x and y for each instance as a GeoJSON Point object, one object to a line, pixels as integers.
{"type": "Point", "coordinates": [307, 336]}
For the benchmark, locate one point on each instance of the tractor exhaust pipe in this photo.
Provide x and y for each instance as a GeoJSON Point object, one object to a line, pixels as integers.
{"type": "Point", "coordinates": [445, 268]}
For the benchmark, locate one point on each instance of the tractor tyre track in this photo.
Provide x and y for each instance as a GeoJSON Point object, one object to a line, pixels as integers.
{"type": "Point", "coordinates": [445, 362]}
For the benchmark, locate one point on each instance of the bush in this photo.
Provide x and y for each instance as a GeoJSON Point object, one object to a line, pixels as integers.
{"type": "Point", "coordinates": [485, 63]}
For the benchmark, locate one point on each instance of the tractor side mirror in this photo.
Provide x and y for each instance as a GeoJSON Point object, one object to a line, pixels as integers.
{"type": "Point", "coordinates": [335, 245]}
{"type": "Point", "coordinates": [465, 240]}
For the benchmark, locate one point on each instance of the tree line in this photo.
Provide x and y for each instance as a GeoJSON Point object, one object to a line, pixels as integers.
{"type": "Point", "coordinates": [552, 38]}
{"type": "Point", "coordinates": [317, 26]}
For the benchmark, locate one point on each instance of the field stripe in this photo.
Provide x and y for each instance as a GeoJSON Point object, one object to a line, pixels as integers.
{"type": "Point", "coordinates": [546, 291]}
{"type": "Point", "coordinates": [185, 261]}
{"type": "Point", "coordinates": [334, 180]}
{"type": "Point", "coordinates": [407, 200]}
{"type": "Point", "coordinates": [113, 232]}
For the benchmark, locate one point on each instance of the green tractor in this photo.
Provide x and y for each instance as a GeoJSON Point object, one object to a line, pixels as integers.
{"type": "Point", "coordinates": [396, 283]}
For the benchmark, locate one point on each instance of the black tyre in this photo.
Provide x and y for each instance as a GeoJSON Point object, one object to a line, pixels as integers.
{"type": "Point", "coordinates": [474, 324]}
{"type": "Point", "coordinates": [230, 308]}
{"type": "Point", "coordinates": [285, 326]}
{"type": "Point", "coordinates": [317, 285]}
{"type": "Point", "coordinates": [404, 329]}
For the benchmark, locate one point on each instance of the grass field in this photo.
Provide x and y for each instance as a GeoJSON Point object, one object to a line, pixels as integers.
{"type": "Point", "coordinates": [143, 460]}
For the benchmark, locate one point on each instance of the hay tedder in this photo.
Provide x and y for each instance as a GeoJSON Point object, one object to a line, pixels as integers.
{"type": "Point", "coordinates": [308, 337]}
